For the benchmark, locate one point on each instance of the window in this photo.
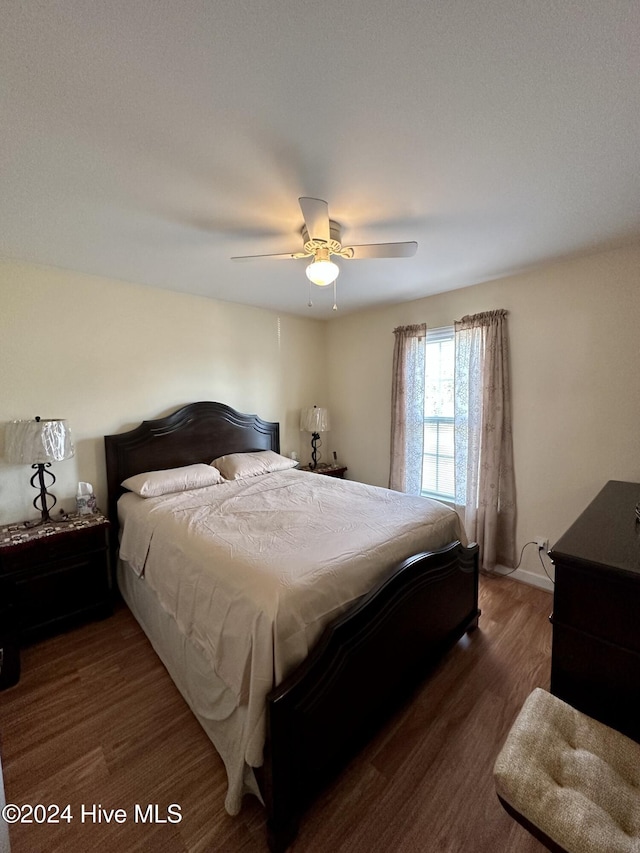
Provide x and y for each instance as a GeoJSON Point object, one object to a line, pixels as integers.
{"type": "Point", "coordinates": [451, 425]}
{"type": "Point", "coordinates": [437, 460]}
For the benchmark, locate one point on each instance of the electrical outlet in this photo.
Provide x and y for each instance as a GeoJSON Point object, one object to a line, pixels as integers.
{"type": "Point", "coordinates": [542, 543]}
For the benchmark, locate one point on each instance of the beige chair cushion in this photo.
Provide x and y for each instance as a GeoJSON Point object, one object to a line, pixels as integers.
{"type": "Point", "coordinates": [572, 777]}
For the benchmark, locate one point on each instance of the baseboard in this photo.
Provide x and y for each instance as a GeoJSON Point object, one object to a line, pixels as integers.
{"type": "Point", "coordinates": [531, 578]}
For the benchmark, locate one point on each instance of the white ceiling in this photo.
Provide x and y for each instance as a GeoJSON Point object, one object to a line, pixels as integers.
{"type": "Point", "coordinates": [151, 140]}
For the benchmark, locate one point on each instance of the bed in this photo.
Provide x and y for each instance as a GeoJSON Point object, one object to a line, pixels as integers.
{"type": "Point", "coordinates": [288, 696]}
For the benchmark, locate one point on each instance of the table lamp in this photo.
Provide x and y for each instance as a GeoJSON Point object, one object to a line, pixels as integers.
{"type": "Point", "coordinates": [39, 443]}
{"type": "Point", "coordinates": [315, 421]}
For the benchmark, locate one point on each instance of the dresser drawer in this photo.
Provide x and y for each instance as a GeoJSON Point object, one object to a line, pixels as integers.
{"type": "Point", "coordinates": [61, 592]}
{"type": "Point", "coordinates": [600, 679]}
{"type": "Point", "coordinates": [603, 604]}
{"type": "Point", "coordinates": [48, 549]}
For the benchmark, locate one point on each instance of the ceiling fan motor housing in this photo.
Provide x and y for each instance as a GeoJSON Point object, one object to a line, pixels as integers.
{"type": "Point", "coordinates": [334, 245]}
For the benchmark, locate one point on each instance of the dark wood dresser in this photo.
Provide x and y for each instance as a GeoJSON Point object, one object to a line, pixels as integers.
{"type": "Point", "coordinates": [595, 664]}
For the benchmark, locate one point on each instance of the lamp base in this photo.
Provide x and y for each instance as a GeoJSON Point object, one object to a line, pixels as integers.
{"type": "Point", "coordinates": [63, 518]}
{"type": "Point", "coordinates": [315, 456]}
{"type": "Point", "coordinates": [44, 506]}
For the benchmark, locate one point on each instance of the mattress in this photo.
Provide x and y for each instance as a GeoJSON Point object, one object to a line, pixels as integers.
{"type": "Point", "coordinates": [248, 573]}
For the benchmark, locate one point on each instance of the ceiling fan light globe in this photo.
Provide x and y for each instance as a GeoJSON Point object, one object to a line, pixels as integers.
{"type": "Point", "coordinates": [322, 273]}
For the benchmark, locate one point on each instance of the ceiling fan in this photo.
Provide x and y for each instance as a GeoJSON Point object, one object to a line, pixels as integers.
{"type": "Point", "coordinates": [322, 238]}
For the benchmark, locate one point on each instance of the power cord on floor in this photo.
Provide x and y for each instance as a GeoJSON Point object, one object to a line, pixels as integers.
{"type": "Point", "coordinates": [517, 566]}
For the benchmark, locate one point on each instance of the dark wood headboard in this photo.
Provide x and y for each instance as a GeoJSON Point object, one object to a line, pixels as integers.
{"type": "Point", "coordinates": [199, 432]}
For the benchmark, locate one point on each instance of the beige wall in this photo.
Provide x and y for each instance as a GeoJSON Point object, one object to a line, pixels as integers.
{"type": "Point", "coordinates": [575, 353]}
{"type": "Point", "coordinates": [107, 354]}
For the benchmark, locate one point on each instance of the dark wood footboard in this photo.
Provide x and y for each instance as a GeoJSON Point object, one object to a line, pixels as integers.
{"type": "Point", "coordinates": [364, 667]}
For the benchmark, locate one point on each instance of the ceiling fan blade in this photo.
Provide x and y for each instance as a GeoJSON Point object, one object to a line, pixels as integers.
{"type": "Point", "coordinates": [384, 250]}
{"type": "Point", "coordinates": [316, 217]}
{"type": "Point", "coordinates": [287, 255]}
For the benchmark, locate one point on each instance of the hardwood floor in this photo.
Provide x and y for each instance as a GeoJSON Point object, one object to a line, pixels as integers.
{"type": "Point", "coordinates": [95, 720]}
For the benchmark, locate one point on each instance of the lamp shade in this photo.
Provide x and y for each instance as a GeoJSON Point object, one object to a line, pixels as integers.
{"type": "Point", "coordinates": [314, 420]}
{"type": "Point", "coordinates": [38, 441]}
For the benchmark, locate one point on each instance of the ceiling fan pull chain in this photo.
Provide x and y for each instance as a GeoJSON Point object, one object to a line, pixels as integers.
{"type": "Point", "coordinates": [335, 301]}
{"type": "Point", "coordinates": [310, 303]}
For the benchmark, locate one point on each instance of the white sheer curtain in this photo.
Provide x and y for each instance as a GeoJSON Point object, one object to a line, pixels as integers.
{"type": "Point", "coordinates": [407, 409]}
{"type": "Point", "coordinates": [485, 483]}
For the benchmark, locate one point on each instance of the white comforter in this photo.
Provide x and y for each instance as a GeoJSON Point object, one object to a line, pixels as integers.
{"type": "Point", "coordinates": [253, 570]}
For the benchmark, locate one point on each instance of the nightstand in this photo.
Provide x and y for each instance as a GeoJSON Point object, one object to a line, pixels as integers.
{"type": "Point", "coordinates": [337, 471]}
{"type": "Point", "coordinates": [59, 572]}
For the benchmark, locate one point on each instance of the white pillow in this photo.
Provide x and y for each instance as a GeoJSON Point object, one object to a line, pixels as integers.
{"type": "Point", "coordinates": [236, 466]}
{"type": "Point", "coordinates": [151, 484]}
